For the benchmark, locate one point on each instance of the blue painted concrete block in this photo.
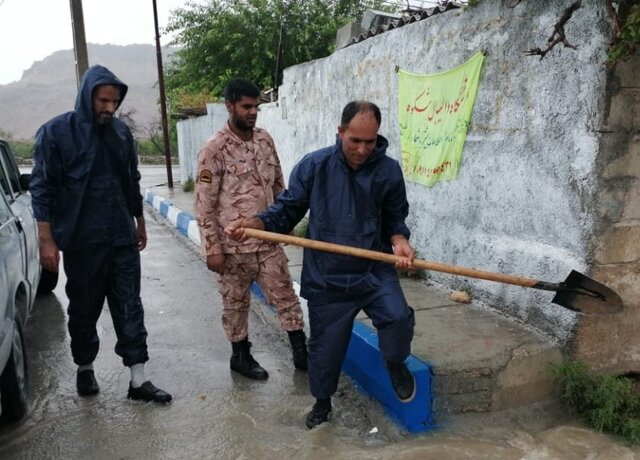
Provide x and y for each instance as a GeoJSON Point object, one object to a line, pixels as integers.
{"type": "Point", "coordinates": [164, 208]}
{"type": "Point", "coordinates": [257, 291]}
{"type": "Point", "coordinates": [183, 222]}
{"type": "Point", "coordinates": [149, 198]}
{"type": "Point", "coordinates": [364, 364]}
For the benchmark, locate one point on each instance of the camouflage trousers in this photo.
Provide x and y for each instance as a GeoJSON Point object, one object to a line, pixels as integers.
{"type": "Point", "coordinates": [271, 271]}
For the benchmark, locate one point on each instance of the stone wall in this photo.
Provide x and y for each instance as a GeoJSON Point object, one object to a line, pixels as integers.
{"type": "Point", "coordinates": [611, 342]}
{"type": "Point", "coordinates": [533, 197]}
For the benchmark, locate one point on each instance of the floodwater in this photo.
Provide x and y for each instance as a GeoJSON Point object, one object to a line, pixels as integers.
{"type": "Point", "coordinates": [217, 414]}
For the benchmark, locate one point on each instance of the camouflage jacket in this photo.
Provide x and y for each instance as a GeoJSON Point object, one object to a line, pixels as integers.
{"type": "Point", "coordinates": [235, 179]}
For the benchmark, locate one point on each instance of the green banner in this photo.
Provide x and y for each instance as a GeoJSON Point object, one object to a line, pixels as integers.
{"type": "Point", "coordinates": [434, 115]}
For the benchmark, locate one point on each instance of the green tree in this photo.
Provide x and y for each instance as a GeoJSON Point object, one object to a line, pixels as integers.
{"type": "Point", "coordinates": [22, 149]}
{"type": "Point", "coordinates": [256, 39]}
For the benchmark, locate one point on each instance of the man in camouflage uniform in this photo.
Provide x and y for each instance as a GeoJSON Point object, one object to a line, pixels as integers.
{"type": "Point", "coordinates": [239, 175]}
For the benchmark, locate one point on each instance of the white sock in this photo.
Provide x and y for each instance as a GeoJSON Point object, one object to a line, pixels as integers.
{"type": "Point", "coordinates": [137, 375]}
{"type": "Point", "coordinates": [85, 367]}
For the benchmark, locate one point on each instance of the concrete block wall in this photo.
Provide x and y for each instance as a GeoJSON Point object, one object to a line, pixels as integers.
{"type": "Point", "coordinates": [611, 343]}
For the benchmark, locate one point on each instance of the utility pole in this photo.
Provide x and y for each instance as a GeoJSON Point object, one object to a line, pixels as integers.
{"type": "Point", "coordinates": [79, 39]}
{"type": "Point", "coordinates": [276, 79]}
{"type": "Point", "coordinates": [163, 104]}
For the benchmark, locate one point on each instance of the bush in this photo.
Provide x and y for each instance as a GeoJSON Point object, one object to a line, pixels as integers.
{"type": "Point", "coordinates": [188, 185]}
{"type": "Point", "coordinates": [609, 403]}
{"type": "Point", "coordinates": [21, 149]}
{"type": "Point", "coordinates": [156, 160]}
{"type": "Point", "coordinates": [300, 230]}
{"type": "Point", "coordinates": [154, 147]}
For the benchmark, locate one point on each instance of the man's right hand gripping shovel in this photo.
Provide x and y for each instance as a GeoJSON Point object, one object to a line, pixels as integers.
{"type": "Point", "coordinates": [235, 230]}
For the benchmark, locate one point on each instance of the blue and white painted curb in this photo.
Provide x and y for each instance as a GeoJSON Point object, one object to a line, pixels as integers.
{"type": "Point", "coordinates": [363, 362]}
{"type": "Point", "coordinates": [183, 221]}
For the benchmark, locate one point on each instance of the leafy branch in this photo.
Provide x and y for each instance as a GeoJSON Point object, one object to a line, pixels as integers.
{"type": "Point", "coordinates": [626, 37]}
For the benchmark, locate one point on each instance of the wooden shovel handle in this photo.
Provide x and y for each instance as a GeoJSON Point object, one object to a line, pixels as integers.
{"type": "Point", "coordinates": [389, 258]}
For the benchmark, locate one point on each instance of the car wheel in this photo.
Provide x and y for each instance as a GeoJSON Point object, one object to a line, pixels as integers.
{"type": "Point", "coordinates": [14, 381]}
{"type": "Point", "coordinates": [48, 281]}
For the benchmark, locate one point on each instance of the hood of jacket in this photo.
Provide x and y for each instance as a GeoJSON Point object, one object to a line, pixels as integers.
{"type": "Point", "coordinates": [95, 76]}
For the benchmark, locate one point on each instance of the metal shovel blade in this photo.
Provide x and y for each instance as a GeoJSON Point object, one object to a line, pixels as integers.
{"type": "Point", "coordinates": [586, 295]}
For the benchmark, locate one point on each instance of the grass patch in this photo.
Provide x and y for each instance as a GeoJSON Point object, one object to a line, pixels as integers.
{"type": "Point", "coordinates": [188, 185]}
{"type": "Point", "coordinates": [608, 403]}
{"type": "Point", "coordinates": [300, 230]}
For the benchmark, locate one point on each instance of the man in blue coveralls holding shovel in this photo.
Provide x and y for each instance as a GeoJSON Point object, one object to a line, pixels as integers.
{"type": "Point", "coordinates": [356, 196]}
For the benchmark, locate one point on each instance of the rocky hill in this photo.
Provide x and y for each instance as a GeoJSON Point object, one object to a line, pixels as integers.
{"type": "Point", "coordinates": [49, 88]}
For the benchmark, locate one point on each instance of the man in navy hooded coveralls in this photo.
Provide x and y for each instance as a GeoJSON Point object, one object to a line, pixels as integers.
{"type": "Point", "coordinates": [356, 196]}
{"type": "Point", "coordinates": [86, 193]}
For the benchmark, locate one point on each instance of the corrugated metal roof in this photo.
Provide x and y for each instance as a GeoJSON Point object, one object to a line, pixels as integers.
{"type": "Point", "coordinates": [407, 18]}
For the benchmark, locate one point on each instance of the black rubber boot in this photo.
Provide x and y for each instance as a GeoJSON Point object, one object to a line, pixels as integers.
{"type": "Point", "coordinates": [243, 363]}
{"type": "Point", "coordinates": [319, 414]}
{"type": "Point", "coordinates": [86, 383]}
{"type": "Point", "coordinates": [299, 347]}
{"type": "Point", "coordinates": [402, 381]}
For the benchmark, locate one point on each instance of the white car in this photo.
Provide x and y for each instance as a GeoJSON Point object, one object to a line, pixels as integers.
{"type": "Point", "coordinates": [19, 279]}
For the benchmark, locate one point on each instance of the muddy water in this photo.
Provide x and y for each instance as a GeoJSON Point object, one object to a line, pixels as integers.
{"type": "Point", "coordinates": [219, 415]}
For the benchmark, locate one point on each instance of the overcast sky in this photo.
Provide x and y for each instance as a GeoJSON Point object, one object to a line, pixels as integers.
{"type": "Point", "coordinates": [31, 30]}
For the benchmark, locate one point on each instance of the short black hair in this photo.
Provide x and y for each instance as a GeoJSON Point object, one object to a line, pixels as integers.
{"type": "Point", "coordinates": [355, 107]}
{"type": "Point", "coordinates": [237, 88]}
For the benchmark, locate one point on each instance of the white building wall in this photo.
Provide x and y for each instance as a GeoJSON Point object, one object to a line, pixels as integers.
{"type": "Point", "coordinates": [193, 132]}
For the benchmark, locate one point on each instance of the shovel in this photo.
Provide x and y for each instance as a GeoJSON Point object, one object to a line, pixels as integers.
{"type": "Point", "coordinates": [578, 292]}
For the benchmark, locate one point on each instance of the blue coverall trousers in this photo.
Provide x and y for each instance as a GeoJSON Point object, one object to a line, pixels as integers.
{"type": "Point", "coordinates": [331, 325]}
{"type": "Point", "coordinates": [94, 273]}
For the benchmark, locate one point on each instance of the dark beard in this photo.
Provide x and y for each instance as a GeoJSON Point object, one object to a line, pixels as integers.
{"type": "Point", "coordinates": [241, 125]}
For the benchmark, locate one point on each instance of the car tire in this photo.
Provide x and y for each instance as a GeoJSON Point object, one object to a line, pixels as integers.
{"type": "Point", "coordinates": [48, 281]}
{"type": "Point", "coordinates": [14, 381]}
